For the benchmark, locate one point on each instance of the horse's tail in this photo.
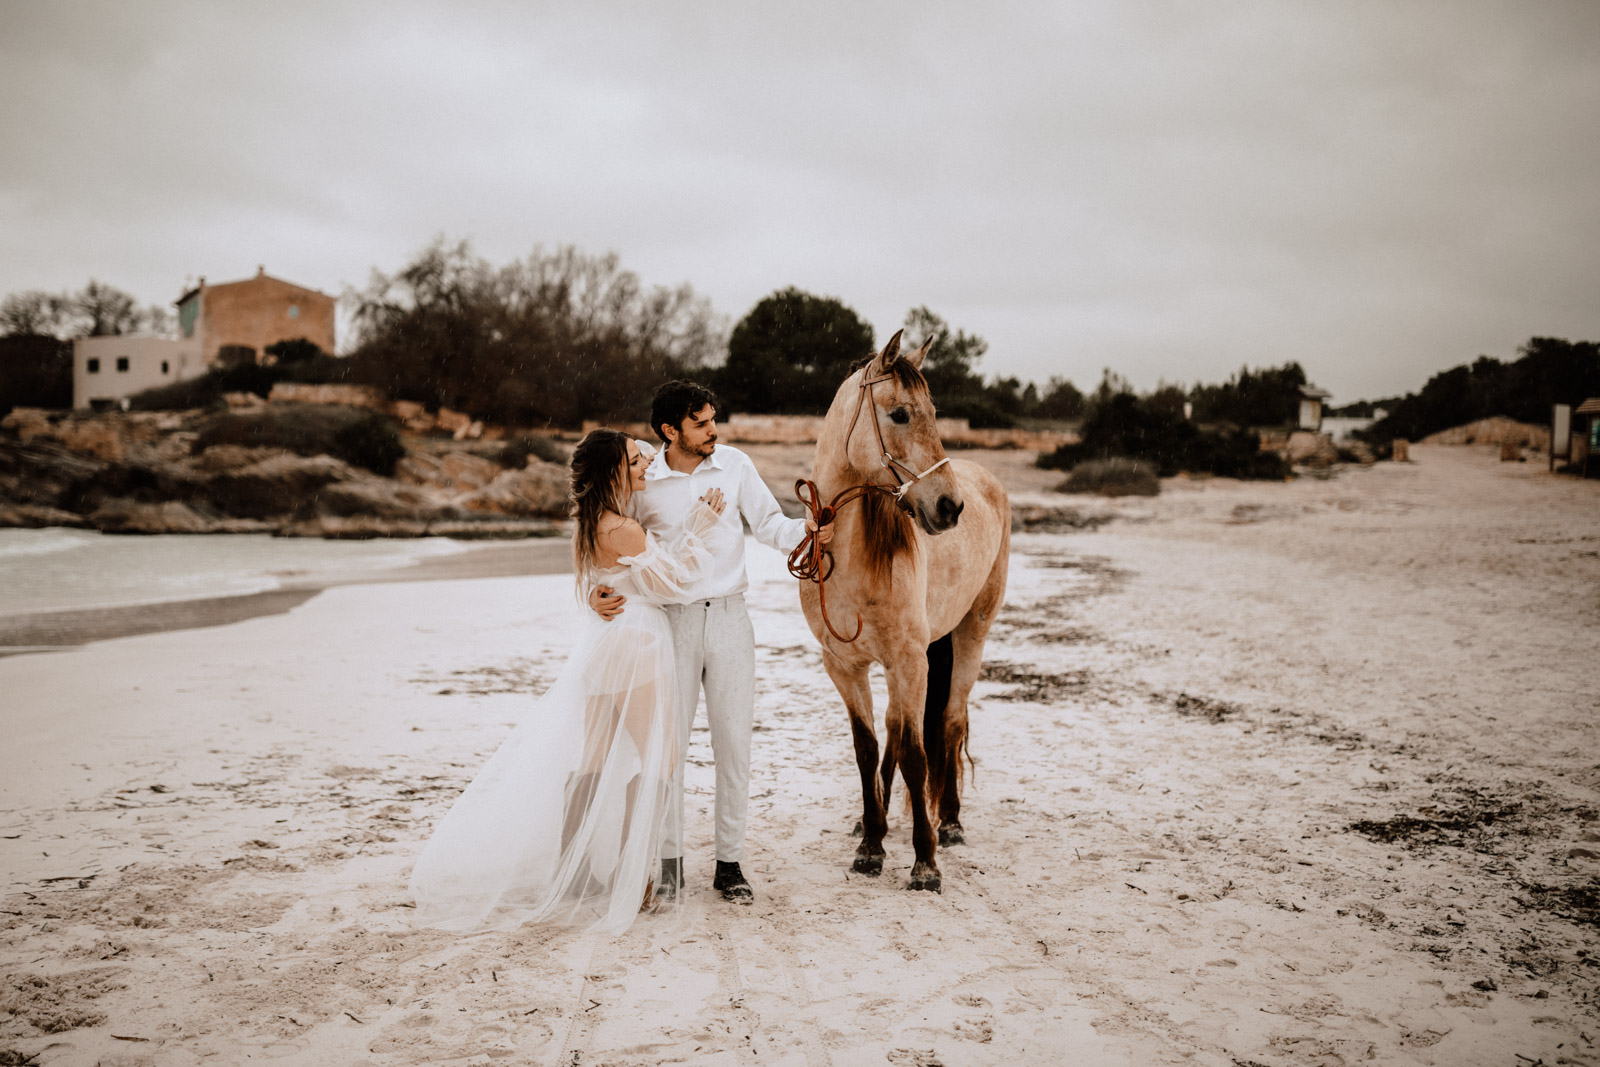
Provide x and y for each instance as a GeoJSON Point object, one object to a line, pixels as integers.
{"type": "Point", "coordinates": [941, 665]}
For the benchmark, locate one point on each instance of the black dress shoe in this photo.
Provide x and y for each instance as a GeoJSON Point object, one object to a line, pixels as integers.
{"type": "Point", "coordinates": [671, 879]}
{"type": "Point", "coordinates": [731, 884]}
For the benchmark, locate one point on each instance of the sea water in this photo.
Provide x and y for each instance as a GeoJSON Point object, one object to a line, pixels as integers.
{"type": "Point", "coordinates": [58, 569]}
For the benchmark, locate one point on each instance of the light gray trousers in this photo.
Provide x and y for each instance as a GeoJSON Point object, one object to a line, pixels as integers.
{"type": "Point", "coordinates": [716, 649]}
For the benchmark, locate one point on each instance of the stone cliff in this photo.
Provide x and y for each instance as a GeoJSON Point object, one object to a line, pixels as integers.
{"type": "Point", "coordinates": [140, 472]}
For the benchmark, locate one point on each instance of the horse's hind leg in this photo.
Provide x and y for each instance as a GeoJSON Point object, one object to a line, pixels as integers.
{"type": "Point", "coordinates": [857, 693]}
{"type": "Point", "coordinates": [966, 664]}
{"type": "Point", "coordinates": [886, 774]}
{"type": "Point", "coordinates": [934, 734]}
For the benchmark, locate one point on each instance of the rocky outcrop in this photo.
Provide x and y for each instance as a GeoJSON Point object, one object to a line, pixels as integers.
{"type": "Point", "coordinates": [43, 472]}
{"type": "Point", "coordinates": [539, 489]}
{"type": "Point", "coordinates": [1495, 430]}
{"type": "Point", "coordinates": [1308, 449]}
{"type": "Point", "coordinates": [113, 438]}
{"type": "Point", "coordinates": [284, 485]}
{"type": "Point", "coordinates": [381, 498]}
{"type": "Point", "coordinates": [171, 516]}
{"type": "Point", "coordinates": [137, 473]}
{"type": "Point", "coordinates": [37, 516]}
{"type": "Point", "coordinates": [451, 471]}
{"type": "Point", "coordinates": [353, 396]}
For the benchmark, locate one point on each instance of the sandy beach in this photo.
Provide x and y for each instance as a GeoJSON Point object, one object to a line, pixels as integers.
{"type": "Point", "coordinates": [1267, 774]}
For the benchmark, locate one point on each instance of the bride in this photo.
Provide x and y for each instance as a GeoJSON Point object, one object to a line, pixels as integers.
{"type": "Point", "coordinates": [564, 822]}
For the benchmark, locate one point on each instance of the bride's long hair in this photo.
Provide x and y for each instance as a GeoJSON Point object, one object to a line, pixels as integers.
{"type": "Point", "coordinates": [600, 483]}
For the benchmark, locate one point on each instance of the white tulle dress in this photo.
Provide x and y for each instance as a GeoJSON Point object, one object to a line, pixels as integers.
{"type": "Point", "coordinates": [564, 822]}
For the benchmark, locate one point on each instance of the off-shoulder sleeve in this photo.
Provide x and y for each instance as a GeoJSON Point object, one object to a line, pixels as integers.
{"type": "Point", "coordinates": [665, 569]}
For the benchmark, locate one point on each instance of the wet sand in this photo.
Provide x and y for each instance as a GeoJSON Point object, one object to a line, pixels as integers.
{"type": "Point", "coordinates": [53, 631]}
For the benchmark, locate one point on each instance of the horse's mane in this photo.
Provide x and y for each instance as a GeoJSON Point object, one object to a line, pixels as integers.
{"type": "Point", "coordinates": [906, 373]}
{"type": "Point", "coordinates": [886, 531]}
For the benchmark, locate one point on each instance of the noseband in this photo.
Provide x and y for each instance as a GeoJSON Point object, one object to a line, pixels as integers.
{"type": "Point", "coordinates": [810, 561]}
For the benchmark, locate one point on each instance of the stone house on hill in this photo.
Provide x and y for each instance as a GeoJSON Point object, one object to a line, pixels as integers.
{"type": "Point", "coordinates": [229, 323]}
{"type": "Point", "coordinates": [234, 317]}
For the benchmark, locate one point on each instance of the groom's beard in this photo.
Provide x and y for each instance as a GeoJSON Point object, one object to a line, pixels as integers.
{"type": "Point", "coordinates": [702, 450]}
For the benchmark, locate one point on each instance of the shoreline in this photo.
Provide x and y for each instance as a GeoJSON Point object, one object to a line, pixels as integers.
{"type": "Point", "coordinates": [54, 631]}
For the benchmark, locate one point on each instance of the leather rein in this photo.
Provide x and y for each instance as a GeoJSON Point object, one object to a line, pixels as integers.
{"type": "Point", "coordinates": [814, 563]}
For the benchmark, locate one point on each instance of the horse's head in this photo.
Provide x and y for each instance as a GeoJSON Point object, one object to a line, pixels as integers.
{"type": "Point", "coordinates": [892, 431]}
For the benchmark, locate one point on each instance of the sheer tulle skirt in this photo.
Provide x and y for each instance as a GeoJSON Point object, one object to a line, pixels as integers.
{"type": "Point", "coordinates": [564, 822]}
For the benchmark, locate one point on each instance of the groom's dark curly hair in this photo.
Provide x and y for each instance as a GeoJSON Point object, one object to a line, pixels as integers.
{"type": "Point", "coordinates": [675, 401]}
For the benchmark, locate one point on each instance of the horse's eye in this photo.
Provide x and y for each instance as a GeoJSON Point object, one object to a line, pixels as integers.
{"type": "Point", "coordinates": [900, 415]}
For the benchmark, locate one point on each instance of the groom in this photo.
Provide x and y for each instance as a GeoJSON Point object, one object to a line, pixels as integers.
{"type": "Point", "coordinates": [711, 630]}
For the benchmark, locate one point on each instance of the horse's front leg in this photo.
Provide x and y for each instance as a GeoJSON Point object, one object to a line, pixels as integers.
{"type": "Point", "coordinates": [908, 689]}
{"type": "Point", "coordinates": [854, 687]}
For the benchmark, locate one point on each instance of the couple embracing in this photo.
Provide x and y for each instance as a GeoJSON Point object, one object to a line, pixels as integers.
{"type": "Point", "coordinates": [577, 818]}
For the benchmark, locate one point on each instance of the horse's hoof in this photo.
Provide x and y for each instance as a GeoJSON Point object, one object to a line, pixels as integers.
{"type": "Point", "coordinates": [858, 831]}
{"type": "Point", "coordinates": [926, 878]}
{"type": "Point", "coordinates": [868, 863]}
{"type": "Point", "coordinates": [950, 834]}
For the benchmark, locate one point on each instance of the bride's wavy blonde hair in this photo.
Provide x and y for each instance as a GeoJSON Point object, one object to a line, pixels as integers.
{"type": "Point", "coordinates": [599, 483]}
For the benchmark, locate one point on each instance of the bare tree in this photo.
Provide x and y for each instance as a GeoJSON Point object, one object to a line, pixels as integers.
{"type": "Point", "coordinates": [556, 337]}
{"type": "Point", "coordinates": [159, 320]}
{"type": "Point", "coordinates": [32, 313]}
{"type": "Point", "coordinates": [104, 310]}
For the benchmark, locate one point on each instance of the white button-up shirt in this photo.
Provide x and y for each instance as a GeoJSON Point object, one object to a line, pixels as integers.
{"type": "Point", "coordinates": [664, 504]}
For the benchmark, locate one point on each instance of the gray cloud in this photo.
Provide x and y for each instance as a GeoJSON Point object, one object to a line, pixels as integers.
{"type": "Point", "coordinates": [1171, 190]}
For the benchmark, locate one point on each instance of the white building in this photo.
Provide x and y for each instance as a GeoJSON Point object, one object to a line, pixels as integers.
{"type": "Point", "coordinates": [105, 370]}
{"type": "Point", "coordinates": [1311, 399]}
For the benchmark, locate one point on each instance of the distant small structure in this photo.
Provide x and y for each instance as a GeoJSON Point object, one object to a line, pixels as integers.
{"type": "Point", "coordinates": [1585, 434]}
{"type": "Point", "coordinates": [217, 325]}
{"type": "Point", "coordinates": [1344, 427]}
{"type": "Point", "coordinates": [1311, 399]}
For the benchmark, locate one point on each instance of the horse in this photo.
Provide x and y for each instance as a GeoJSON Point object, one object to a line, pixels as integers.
{"type": "Point", "coordinates": [920, 561]}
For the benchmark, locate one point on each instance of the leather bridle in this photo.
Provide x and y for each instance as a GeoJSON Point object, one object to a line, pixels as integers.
{"type": "Point", "coordinates": [892, 465]}
{"type": "Point", "coordinates": [810, 561]}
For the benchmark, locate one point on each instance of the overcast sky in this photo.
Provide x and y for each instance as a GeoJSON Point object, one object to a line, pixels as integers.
{"type": "Point", "coordinates": [1378, 190]}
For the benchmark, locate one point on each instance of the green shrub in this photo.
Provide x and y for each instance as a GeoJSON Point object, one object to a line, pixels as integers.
{"type": "Point", "coordinates": [1117, 476]}
{"type": "Point", "coordinates": [1126, 426]}
{"type": "Point", "coordinates": [206, 391]}
{"type": "Point", "coordinates": [201, 392]}
{"type": "Point", "coordinates": [371, 441]}
{"type": "Point", "coordinates": [515, 454]}
{"type": "Point", "coordinates": [320, 369]}
{"type": "Point", "coordinates": [355, 435]}
{"type": "Point", "coordinates": [306, 363]}
{"type": "Point", "coordinates": [294, 351]}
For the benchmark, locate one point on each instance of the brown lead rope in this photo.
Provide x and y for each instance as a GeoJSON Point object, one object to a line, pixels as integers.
{"type": "Point", "coordinates": [810, 562]}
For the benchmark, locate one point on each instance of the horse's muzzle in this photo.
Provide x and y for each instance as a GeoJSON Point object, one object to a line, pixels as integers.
{"type": "Point", "coordinates": [946, 514]}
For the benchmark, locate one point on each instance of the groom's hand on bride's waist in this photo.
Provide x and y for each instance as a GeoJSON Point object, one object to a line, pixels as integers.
{"type": "Point", "coordinates": [604, 602]}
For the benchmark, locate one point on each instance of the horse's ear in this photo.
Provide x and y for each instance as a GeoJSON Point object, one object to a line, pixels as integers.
{"type": "Point", "coordinates": [890, 353]}
{"type": "Point", "coordinates": [916, 357]}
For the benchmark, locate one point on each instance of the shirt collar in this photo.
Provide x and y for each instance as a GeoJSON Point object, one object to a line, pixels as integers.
{"type": "Point", "coordinates": [659, 468]}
